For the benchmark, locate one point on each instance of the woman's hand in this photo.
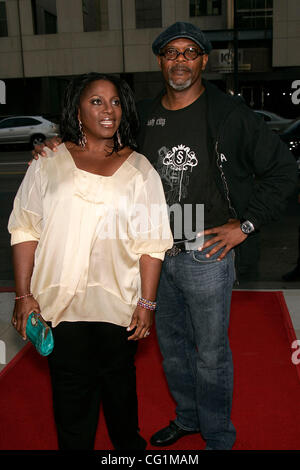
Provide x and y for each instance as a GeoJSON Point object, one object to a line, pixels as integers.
{"type": "Point", "coordinates": [142, 317]}
{"type": "Point", "coordinates": [142, 320]}
{"type": "Point", "coordinates": [38, 149]}
{"type": "Point", "coordinates": [22, 310]}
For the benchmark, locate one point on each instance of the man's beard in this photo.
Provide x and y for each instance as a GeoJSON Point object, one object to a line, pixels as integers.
{"type": "Point", "coordinates": [180, 84]}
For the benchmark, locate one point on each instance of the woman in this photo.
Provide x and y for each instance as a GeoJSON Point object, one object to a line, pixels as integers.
{"type": "Point", "coordinates": [87, 261]}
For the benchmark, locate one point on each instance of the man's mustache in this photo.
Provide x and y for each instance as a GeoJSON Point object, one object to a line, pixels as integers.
{"type": "Point", "coordinates": [180, 68]}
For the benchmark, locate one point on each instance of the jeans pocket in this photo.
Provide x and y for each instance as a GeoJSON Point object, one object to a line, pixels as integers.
{"type": "Point", "coordinates": [200, 256]}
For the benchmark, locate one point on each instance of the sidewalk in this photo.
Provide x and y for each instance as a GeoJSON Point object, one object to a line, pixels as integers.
{"type": "Point", "coordinates": [11, 343]}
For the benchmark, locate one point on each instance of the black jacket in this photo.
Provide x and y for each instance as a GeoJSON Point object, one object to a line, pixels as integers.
{"type": "Point", "coordinates": [254, 169]}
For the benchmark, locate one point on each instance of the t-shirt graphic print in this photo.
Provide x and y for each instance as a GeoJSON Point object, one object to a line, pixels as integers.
{"type": "Point", "coordinates": [174, 167]}
{"type": "Point", "coordinates": [176, 143]}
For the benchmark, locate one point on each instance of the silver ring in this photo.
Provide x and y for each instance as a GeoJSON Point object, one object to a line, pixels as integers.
{"type": "Point", "coordinates": [147, 333]}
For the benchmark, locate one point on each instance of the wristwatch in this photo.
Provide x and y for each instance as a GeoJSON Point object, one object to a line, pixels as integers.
{"type": "Point", "coordinates": [247, 227]}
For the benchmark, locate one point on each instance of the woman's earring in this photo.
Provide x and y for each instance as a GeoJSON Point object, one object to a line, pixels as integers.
{"type": "Point", "coordinates": [82, 136]}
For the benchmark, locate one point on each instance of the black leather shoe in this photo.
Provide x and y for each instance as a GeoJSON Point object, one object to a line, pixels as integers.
{"type": "Point", "coordinates": [169, 435]}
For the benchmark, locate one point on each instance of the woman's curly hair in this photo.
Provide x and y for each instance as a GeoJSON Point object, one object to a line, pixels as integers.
{"type": "Point", "coordinates": [69, 124]}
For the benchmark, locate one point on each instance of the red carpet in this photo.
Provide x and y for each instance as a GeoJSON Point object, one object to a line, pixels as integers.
{"type": "Point", "coordinates": [265, 411]}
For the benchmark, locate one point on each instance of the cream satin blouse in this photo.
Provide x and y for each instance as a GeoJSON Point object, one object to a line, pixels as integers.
{"type": "Point", "coordinates": [91, 231]}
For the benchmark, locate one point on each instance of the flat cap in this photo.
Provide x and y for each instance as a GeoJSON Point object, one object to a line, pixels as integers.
{"type": "Point", "coordinates": [182, 30]}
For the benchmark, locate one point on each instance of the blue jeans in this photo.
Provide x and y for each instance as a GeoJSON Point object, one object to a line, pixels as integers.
{"type": "Point", "coordinates": [192, 319]}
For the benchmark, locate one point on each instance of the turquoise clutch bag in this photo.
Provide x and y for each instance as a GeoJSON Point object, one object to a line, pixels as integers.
{"type": "Point", "coordinates": [40, 334]}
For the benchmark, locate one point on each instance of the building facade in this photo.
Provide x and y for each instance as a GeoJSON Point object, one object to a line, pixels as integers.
{"type": "Point", "coordinates": [45, 42]}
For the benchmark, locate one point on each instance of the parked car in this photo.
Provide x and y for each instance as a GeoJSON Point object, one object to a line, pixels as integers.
{"type": "Point", "coordinates": [275, 122]}
{"type": "Point", "coordinates": [26, 130]}
{"type": "Point", "coordinates": [291, 136]}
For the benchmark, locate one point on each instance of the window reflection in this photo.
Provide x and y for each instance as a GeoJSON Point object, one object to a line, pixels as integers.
{"type": "Point", "coordinates": [254, 14]}
{"type": "Point", "coordinates": [44, 16]}
{"type": "Point", "coordinates": [3, 20]}
{"type": "Point", "coordinates": [95, 15]}
{"type": "Point", "coordinates": [205, 7]}
{"type": "Point", "coordinates": [148, 14]}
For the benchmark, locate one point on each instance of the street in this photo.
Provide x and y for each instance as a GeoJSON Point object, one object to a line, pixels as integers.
{"type": "Point", "coordinates": [12, 168]}
{"type": "Point", "coordinates": [279, 240]}
{"type": "Point", "coordinates": [13, 165]}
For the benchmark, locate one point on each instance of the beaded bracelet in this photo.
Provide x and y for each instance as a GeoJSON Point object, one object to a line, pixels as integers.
{"type": "Point", "coordinates": [149, 304]}
{"type": "Point", "coordinates": [23, 296]}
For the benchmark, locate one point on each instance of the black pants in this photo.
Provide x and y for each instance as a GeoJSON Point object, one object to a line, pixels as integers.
{"type": "Point", "coordinates": [93, 363]}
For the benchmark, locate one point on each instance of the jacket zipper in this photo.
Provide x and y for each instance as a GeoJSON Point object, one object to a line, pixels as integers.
{"type": "Point", "coordinates": [231, 208]}
{"type": "Point", "coordinates": [225, 185]}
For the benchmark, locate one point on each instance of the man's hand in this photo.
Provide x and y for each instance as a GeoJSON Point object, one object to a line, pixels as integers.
{"type": "Point", "coordinates": [38, 149]}
{"type": "Point", "coordinates": [22, 310]}
{"type": "Point", "coordinates": [227, 236]}
{"type": "Point", "coordinates": [142, 320]}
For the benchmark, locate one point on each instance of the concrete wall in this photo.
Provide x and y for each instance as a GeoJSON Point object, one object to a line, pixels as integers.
{"type": "Point", "coordinates": [72, 51]}
{"type": "Point", "coordinates": [286, 33]}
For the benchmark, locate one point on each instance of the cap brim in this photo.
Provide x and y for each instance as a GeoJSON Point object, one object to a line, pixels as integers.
{"type": "Point", "coordinates": [182, 36]}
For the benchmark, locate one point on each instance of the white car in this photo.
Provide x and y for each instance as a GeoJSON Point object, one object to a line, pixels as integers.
{"type": "Point", "coordinates": [26, 130]}
{"type": "Point", "coordinates": [275, 122]}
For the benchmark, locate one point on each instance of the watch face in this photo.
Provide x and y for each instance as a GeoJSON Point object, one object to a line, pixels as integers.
{"type": "Point", "coordinates": [247, 227]}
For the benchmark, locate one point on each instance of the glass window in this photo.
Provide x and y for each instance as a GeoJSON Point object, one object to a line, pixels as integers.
{"type": "Point", "coordinates": [254, 14]}
{"type": "Point", "coordinates": [91, 15]}
{"type": "Point", "coordinates": [148, 13]}
{"type": "Point", "coordinates": [205, 7]}
{"type": "Point", "coordinates": [95, 15]}
{"type": "Point", "coordinates": [44, 16]}
{"type": "Point", "coordinates": [294, 130]}
{"type": "Point", "coordinates": [18, 122]}
{"type": "Point", "coordinates": [3, 20]}
{"type": "Point", "coordinates": [26, 122]}
{"type": "Point", "coordinates": [7, 123]}
{"type": "Point", "coordinates": [264, 116]}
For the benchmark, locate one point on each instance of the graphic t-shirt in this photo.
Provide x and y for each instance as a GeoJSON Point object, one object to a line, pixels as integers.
{"type": "Point", "coordinates": [176, 143]}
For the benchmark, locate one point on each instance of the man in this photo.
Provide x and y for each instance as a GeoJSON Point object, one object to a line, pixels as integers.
{"type": "Point", "coordinates": [229, 145]}
{"type": "Point", "coordinates": [210, 151]}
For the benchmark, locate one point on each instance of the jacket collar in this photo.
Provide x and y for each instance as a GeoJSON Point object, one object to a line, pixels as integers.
{"type": "Point", "coordinates": [219, 106]}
